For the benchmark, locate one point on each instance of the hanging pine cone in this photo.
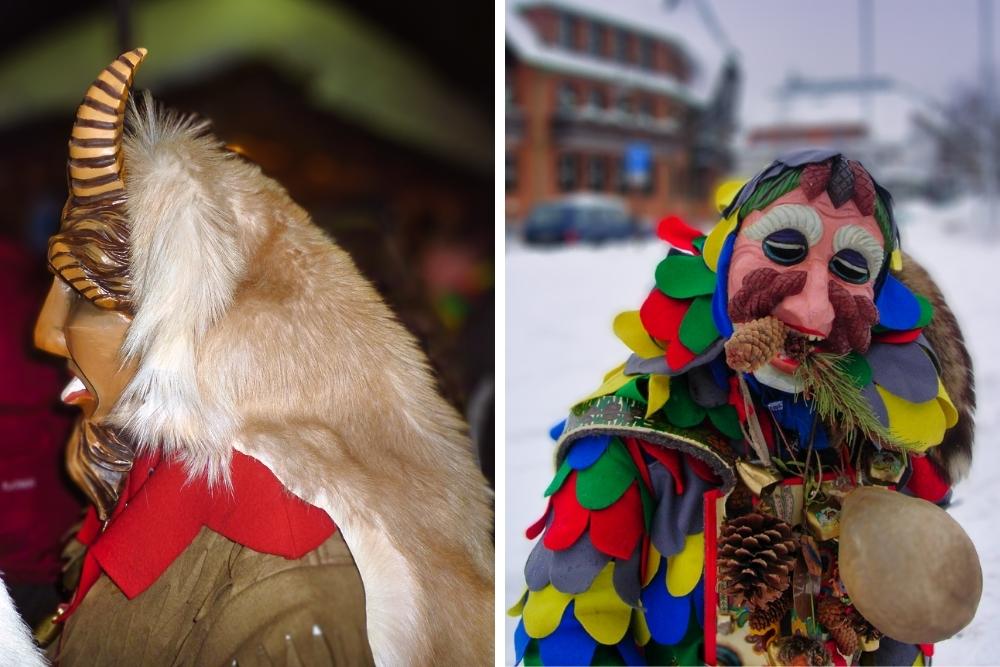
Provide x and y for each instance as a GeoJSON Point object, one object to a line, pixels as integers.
{"type": "Point", "coordinates": [761, 619]}
{"type": "Point", "coordinates": [840, 621]}
{"type": "Point", "coordinates": [756, 557]}
{"type": "Point", "coordinates": [755, 343]}
{"type": "Point", "coordinates": [798, 650]}
{"type": "Point", "coordinates": [740, 501]}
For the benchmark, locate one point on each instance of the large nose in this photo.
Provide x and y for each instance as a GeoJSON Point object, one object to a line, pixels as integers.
{"type": "Point", "coordinates": [49, 334]}
{"type": "Point", "coordinates": [810, 309]}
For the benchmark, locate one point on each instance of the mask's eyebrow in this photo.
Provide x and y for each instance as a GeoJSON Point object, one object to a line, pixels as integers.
{"type": "Point", "coordinates": [788, 216]}
{"type": "Point", "coordinates": [860, 239]}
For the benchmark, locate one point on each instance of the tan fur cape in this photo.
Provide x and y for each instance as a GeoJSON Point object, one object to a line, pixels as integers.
{"type": "Point", "coordinates": [254, 331]}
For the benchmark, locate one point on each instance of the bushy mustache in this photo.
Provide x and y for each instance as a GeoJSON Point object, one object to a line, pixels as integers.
{"type": "Point", "coordinates": [763, 289]}
{"type": "Point", "coordinates": [99, 459]}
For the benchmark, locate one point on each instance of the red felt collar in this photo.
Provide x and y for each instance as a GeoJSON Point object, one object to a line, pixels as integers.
{"type": "Point", "coordinates": [161, 512]}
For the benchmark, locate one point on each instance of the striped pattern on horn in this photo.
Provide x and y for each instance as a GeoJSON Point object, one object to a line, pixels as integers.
{"type": "Point", "coordinates": [95, 156]}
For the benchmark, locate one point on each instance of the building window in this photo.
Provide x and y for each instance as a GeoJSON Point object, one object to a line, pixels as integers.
{"type": "Point", "coordinates": [597, 173]}
{"type": "Point", "coordinates": [646, 53]}
{"type": "Point", "coordinates": [647, 108]}
{"type": "Point", "coordinates": [567, 171]}
{"type": "Point", "coordinates": [567, 31]}
{"type": "Point", "coordinates": [597, 99]}
{"type": "Point", "coordinates": [566, 97]}
{"type": "Point", "coordinates": [624, 104]}
{"type": "Point", "coordinates": [595, 39]}
{"type": "Point", "coordinates": [621, 45]}
{"type": "Point", "coordinates": [510, 171]}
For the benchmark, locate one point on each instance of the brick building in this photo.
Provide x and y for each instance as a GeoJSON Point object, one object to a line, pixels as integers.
{"type": "Point", "coordinates": [603, 98]}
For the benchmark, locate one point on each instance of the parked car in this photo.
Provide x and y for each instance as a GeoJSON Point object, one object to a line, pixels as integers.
{"type": "Point", "coordinates": [584, 218]}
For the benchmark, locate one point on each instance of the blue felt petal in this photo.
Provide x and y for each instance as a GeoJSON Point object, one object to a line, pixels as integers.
{"type": "Point", "coordinates": [897, 307]}
{"type": "Point", "coordinates": [666, 616]}
{"type": "Point", "coordinates": [698, 599]}
{"type": "Point", "coordinates": [569, 644]}
{"type": "Point", "coordinates": [521, 640]}
{"type": "Point", "coordinates": [557, 430]}
{"type": "Point", "coordinates": [877, 404]}
{"type": "Point", "coordinates": [629, 653]}
{"type": "Point", "coordinates": [720, 299]}
{"type": "Point", "coordinates": [586, 450]}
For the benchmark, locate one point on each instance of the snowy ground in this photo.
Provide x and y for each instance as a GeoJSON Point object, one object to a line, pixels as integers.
{"type": "Point", "coordinates": [559, 343]}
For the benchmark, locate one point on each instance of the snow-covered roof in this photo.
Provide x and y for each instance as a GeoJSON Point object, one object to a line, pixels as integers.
{"type": "Point", "coordinates": [679, 25]}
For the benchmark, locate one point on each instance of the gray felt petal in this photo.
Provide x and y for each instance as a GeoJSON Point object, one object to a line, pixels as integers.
{"type": "Point", "coordinates": [704, 391]}
{"type": "Point", "coordinates": [536, 569]}
{"type": "Point", "coordinates": [892, 652]}
{"type": "Point", "coordinates": [929, 349]}
{"type": "Point", "coordinates": [904, 370]}
{"type": "Point", "coordinates": [573, 570]}
{"type": "Point", "coordinates": [626, 578]}
{"type": "Point", "coordinates": [637, 365]}
{"type": "Point", "coordinates": [876, 403]}
{"type": "Point", "coordinates": [691, 508]}
{"type": "Point", "coordinates": [702, 359]}
{"type": "Point", "coordinates": [663, 531]}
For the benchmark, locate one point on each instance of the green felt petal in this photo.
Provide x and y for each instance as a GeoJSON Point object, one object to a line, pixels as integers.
{"type": "Point", "coordinates": [633, 390]}
{"type": "Point", "coordinates": [857, 367]}
{"type": "Point", "coordinates": [684, 276]}
{"type": "Point", "coordinates": [926, 311]}
{"type": "Point", "coordinates": [532, 655]}
{"type": "Point", "coordinates": [603, 483]}
{"type": "Point", "coordinates": [698, 330]}
{"type": "Point", "coordinates": [681, 410]}
{"type": "Point", "coordinates": [648, 505]}
{"type": "Point", "coordinates": [607, 655]}
{"type": "Point", "coordinates": [726, 419]}
{"type": "Point", "coordinates": [559, 479]}
{"type": "Point", "coordinates": [699, 243]}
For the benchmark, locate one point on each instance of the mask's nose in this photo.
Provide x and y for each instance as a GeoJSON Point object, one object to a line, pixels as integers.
{"type": "Point", "coordinates": [49, 334]}
{"type": "Point", "coordinates": [810, 310]}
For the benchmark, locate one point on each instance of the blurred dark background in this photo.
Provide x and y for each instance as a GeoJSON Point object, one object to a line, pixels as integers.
{"type": "Point", "coordinates": [376, 116]}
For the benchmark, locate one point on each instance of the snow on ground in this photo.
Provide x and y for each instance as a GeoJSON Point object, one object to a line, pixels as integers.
{"type": "Point", "coordinates": [560, 303]}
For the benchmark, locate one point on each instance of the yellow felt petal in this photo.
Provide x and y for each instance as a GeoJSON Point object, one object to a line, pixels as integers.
{"type": "Point", "coordinates": [726, 193]}
{"type": "Point", "coordinates": [543, 611]}
{"type": "Point", "coordinates": [613, 381]}
{"type": "Point", "coordinates": [716, 238]}
{"type": "Point", "coordinates": [628, 327]}
{"type": "Point", "coordinates": [950, 413]}
{"type": "Point", "coordinates": [640, 629]}
{"type": "Point", "coordinates": [917, 425]}
{"type": "Point", "coordinates": [652, 565]}
{"type": "Point", "coordinates": [603, 614]}
{"type": "Point", "coordinates": [896, 260]}
{"type": "Point", "coordinates": [518, 607]}
{"type": "Point", "coordinates": [684, 569]}
{"type": "Point", "coordinates": [659, 392]}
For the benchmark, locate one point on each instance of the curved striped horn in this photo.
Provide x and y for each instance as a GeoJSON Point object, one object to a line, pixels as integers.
{"type": "Point", "coordinates": [95, 156]}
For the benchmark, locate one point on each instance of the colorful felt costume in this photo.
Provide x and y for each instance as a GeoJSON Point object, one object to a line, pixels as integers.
{"type": "Point", "coordinates": [642, 556]}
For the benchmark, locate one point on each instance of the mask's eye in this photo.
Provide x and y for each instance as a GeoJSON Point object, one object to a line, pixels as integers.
{"type": "Point", "coordinates": [786, 246]}
{"type": "Point", "coordinates": [851, 266]}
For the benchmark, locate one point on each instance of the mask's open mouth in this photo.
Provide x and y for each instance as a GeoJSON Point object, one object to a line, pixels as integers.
{"type": "Point", "coordinates": [769, 341]}
{"type": "Point", "coordinates": [75, 392]}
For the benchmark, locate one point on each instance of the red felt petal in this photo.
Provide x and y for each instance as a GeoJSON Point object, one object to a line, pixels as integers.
{"type": "Point", "coordinates": [535, 529]}
{"type": "Point", "coordinates": [569, 518]}
{"type": "Point", "coordinates": [632, 445]}
{"type": "Point", "coordinates": [678, 356]}
{"type": "Point", "coordinates": [926, 482]}
{"type": "Point", "coordinates": [898, 337]}
{"type": "Point", "coordinates": [702, 469]}
{"type": "Point", "coordinates": [736, 399]}
{"type": "Point", "coordinates": [677, 233]}
{"type": "Point", "coordinates": [670, 460]}
{"type": "Point", "coordinates": [616, 530]}
{"type": "Point", "coordinates": [661, 315]}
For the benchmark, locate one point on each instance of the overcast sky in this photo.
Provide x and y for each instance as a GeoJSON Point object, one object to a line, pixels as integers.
{"type": "Point", "coordinates": [929, 44]}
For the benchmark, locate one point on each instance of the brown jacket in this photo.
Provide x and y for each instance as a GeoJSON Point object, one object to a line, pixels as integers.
{"type": "Point", "coordinates": [221, 603]}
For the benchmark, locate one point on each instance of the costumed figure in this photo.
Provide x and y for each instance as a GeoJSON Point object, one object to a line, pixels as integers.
{"type": "Point", "coordinates": [275, 479]}
{"type": "Point", "coordinates": [759, 482]}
